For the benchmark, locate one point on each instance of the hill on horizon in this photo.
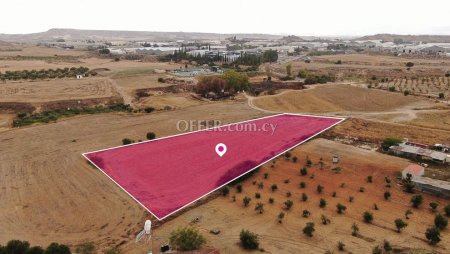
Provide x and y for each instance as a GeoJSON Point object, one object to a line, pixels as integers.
{"type": "Point", "coordinates": [408, 38]}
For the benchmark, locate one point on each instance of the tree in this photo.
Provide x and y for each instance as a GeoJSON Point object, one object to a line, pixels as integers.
{"type": "Point", "coordinates": [56, 248]}
{"type": "Point", "coordinates": [302, 185]}
{"type": "Point", "coordinates": [208, 84]}
{"type": "Point", "coordinates": [259, 207]}
{"type": "Point", "coordinates": [434, 206]}
{"type": "Point", "coordinates": [309, 229]}
{"type": "Point", "coordinates": [149, 109]}
{"type": "Point", "coordinates": [274, 187]}
{"type": "Point", "coordinates": [387, 195]}
{"type": "Point", "coordinates": [249, 240]}
{"type": "Point", "coordinates": [288, 204]}
{"type": "Point", "coordinates": [322, 203]}
{"type": "Point", "coordinates": [17, 247]}
{"type": "Point", "coordinates": [388, 142]}
{"type": "Point", "coordinates": [239, 188]}
{"type": "Point", "coordinates": [441, 95]}
{"type": "Point", "coordinates": [235, 81]}
{"type": "Point", "coordinates": [399, 224]}
{"type": "Point", "coordinates": [440, 222]}
{"type": "Point", "coordinates": [225, 191]}
{"type": "Point", "coordinates": [304, 197]}
{"type": "Point", "coordinates": [287, 155]}
{"type": "Point", "coordinates": [104, 51]}
{"type": "Point", "coordinates": [447, 210]}
{"type": "Point", "coordinates": [33, 250]}
{"type": "Point", "coordinates": [306, 213]}
{"type": "Point", "coordinates": [341, 208]}
{"type": "Point", "coordinates": [187, 239]}
{"type": "Point", "coordinates": [408, 183]}
{"type": "Point", "coordinates": [246, 201]}
{"type": "Point", "coordinates": [289, 70]}
{"type": "Point", "coordinates": [127, 141]}
{"type": "Point", "coordinates": [151, 135]}
{"type": "Point", "coordinates": [416, 200]}
{"type": "Point", "coordinates": [355, 229]}
{"type": "Point", "coordinates": [433, 235]}
{"type": "Point", "coordinates": [270, 56]}
{"type": "Point", "coordinates": [319, 188]}
{"type": "Point", "coordinates": [368, 217]}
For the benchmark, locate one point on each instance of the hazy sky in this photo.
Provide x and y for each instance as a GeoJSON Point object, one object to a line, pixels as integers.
{"type": "Point", "coordinates": [314, 17]}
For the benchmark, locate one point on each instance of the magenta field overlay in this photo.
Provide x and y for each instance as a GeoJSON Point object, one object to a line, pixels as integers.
{"type": "Point", "coordinates": [167, 174]}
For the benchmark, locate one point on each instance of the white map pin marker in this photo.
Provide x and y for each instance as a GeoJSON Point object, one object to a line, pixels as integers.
{"type": "Point", "coordinates": [221, 149]}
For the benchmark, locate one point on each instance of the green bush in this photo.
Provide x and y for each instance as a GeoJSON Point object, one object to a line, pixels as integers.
{"type": "Point", "coordinates": [186, 239]}
{"type": "Point", "coordinates": [440, 222]}
{"type": "Point", "coordinates": [368, 217]}
{"type": "Point", "coordinates": [416, 200]}
{"type": "Point", "coordinates": [56, 248]}
{"type": "Point", "coordinates": [151, 135]}
{"type": "Point", "coordinates": [86, 248]}
{"type": "Point", "coordinates": [309, 229]}
{"type": "Point", "coordinates": [433, 235]}
{"type": "Point", "coordinates": [249, 240]}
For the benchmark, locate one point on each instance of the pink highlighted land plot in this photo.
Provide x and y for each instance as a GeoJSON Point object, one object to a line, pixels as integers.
{"type": "Point", "coordinates": [167, 174]}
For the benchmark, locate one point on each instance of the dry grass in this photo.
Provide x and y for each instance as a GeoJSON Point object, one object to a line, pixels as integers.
{"type": "Point", "coordinates": [55, 90]}
{"type": "Point", "coordinates": [334, 98]}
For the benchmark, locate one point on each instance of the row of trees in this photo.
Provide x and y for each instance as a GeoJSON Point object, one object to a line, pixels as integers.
{"type": "Point", "coordinates": [230, 81]}
{"type": "Point", "coordinates": [46, 73]}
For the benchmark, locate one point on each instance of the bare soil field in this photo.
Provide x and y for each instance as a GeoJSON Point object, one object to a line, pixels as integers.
{"type": "Point", "coordinates": [50, 193]}
{"type": "Point", "coordinates": [334, 98]}
{"type": "Point", "coordinates": [171, 100]}
{"type": "Point", "coordinates": [438, 120]}
{"type": "Point", "coordinates": [356, 164]}
{"type": "Point", "coordinates": [54, 90]}
{"type": "Point", "coordinates": [41, 51]}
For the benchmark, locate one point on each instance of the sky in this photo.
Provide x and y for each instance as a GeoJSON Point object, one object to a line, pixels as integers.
{"type": "Point", "coordinates": [297, 17]}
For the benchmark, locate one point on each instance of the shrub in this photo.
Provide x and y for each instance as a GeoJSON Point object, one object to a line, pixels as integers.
{"type": "Point", "coordinates": [387, 246]}
{"type": "Point", "coordinates": [319, 188]}
{"type": "Point", "coordinates": [325, 220]}
{"type": "Point", "coordinates": [368, 217]}
{"type": "Point", "coordinates": [266, 175]}
{"type": "Point", "coordinates": [355, 229]}
{"type": "Point", "coordinates": [259, 207]}
{"type": "Point", "coordinates": [341, 208]}
{"type": "Point", "coordinates": [440, 222]}
{"type": "Point", "coordinates": [434, 206]}
{"type": "Point", "coordinates": [288, 204]}
{"type": "Point", "coordinates": [416, 200]}
{"type": "Point", "coordinates": [303, 185]}
{"type": "Point", "coordinates": [309, 229]}
{"type": "Point", "coordinates": [149, 109]}
{"type": "Point", "coordinates": [151, 135]}
{"type": "Point", "coordinates": [274, 187]}
{"type": "Point", "coordinates": [377, 250]}
{"type": "Point", "coordinates": [304, 197]}
{"type": "Point", "coordinates": [406, 93]}
{"type": "Point", "coordinates": [187, 239]}
{"type": "Point", "coordinates": [350, 199]}
{"type": "Point", "coordinates": [341, 246]}
{"type": "Point", "coordinates": [127, 141]}
{"type": "Point", "coordinates": [322, 203]}
{"type": "Point", "coordinates": [86, 248]}
{"type": "Point", "coordinates": [288, 194]}
{"type": "Point", "coordinates": [433, 235]}
{"type": "Point", "coordinates": [407, 213]}
{"type": "Point", "coordinates": [271, 200]}
{"type": "Point", "coordinates": [286, 181]}
{"type": "Point", "coordinates": [399, 224]}
{"type": "Point", "coordinates": [161, 80]}
{"type": "Point", "coordinates": [392, 89]}
{"type": "Point", "coordinates": [249, 240]}
{"type": "Point", "coordinates": [369, 179]}
{"type": "Point", "coordinates": [387, 195]}
{"type": "Point", "coordinates": [409, 64]}
{"type": "Point", "coordinates": [239, 188]}
{"type": "Point", "coordinates": [225, 191]}
{"type": "Point", "coordinates": [34, 250]}
{"type": "Point", "coordinates": [388, 142]}
{"type": "Point", "coordinates": [257, 195]}
{"type": "Point", "coordinates": [294, 159]}
{"type": "Point", "coordinates": [56, 248]}
{"type": "Point", "coordinates": [246, 200]}
{"type": "Point", "coordinates": [441, 95]}
{"type": "Point", "coordinates": [306, 213]}
{"type": "Point", "coordinates": [334, 194]}
{"type": "Point", "coordinates": [280, 217]}
{"type": "Point", "coordinates": [287, 155]}
{"type": "Point", "coordinates": [303, 171]}
{"type": "Point", "coordinates": [361, 189]}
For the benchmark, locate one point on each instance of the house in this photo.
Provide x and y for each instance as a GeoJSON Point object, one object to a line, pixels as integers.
{"type": "Point", "coordinates": [79, 76]}
{"type": "Point", "coordinates": [433, 50]}
{"type": "Point", "coordinates": [415, 152]}
{"type": "Point", "coordinates": [414, 170]}
{"type": "Point", "coordinates": [433, 186]}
